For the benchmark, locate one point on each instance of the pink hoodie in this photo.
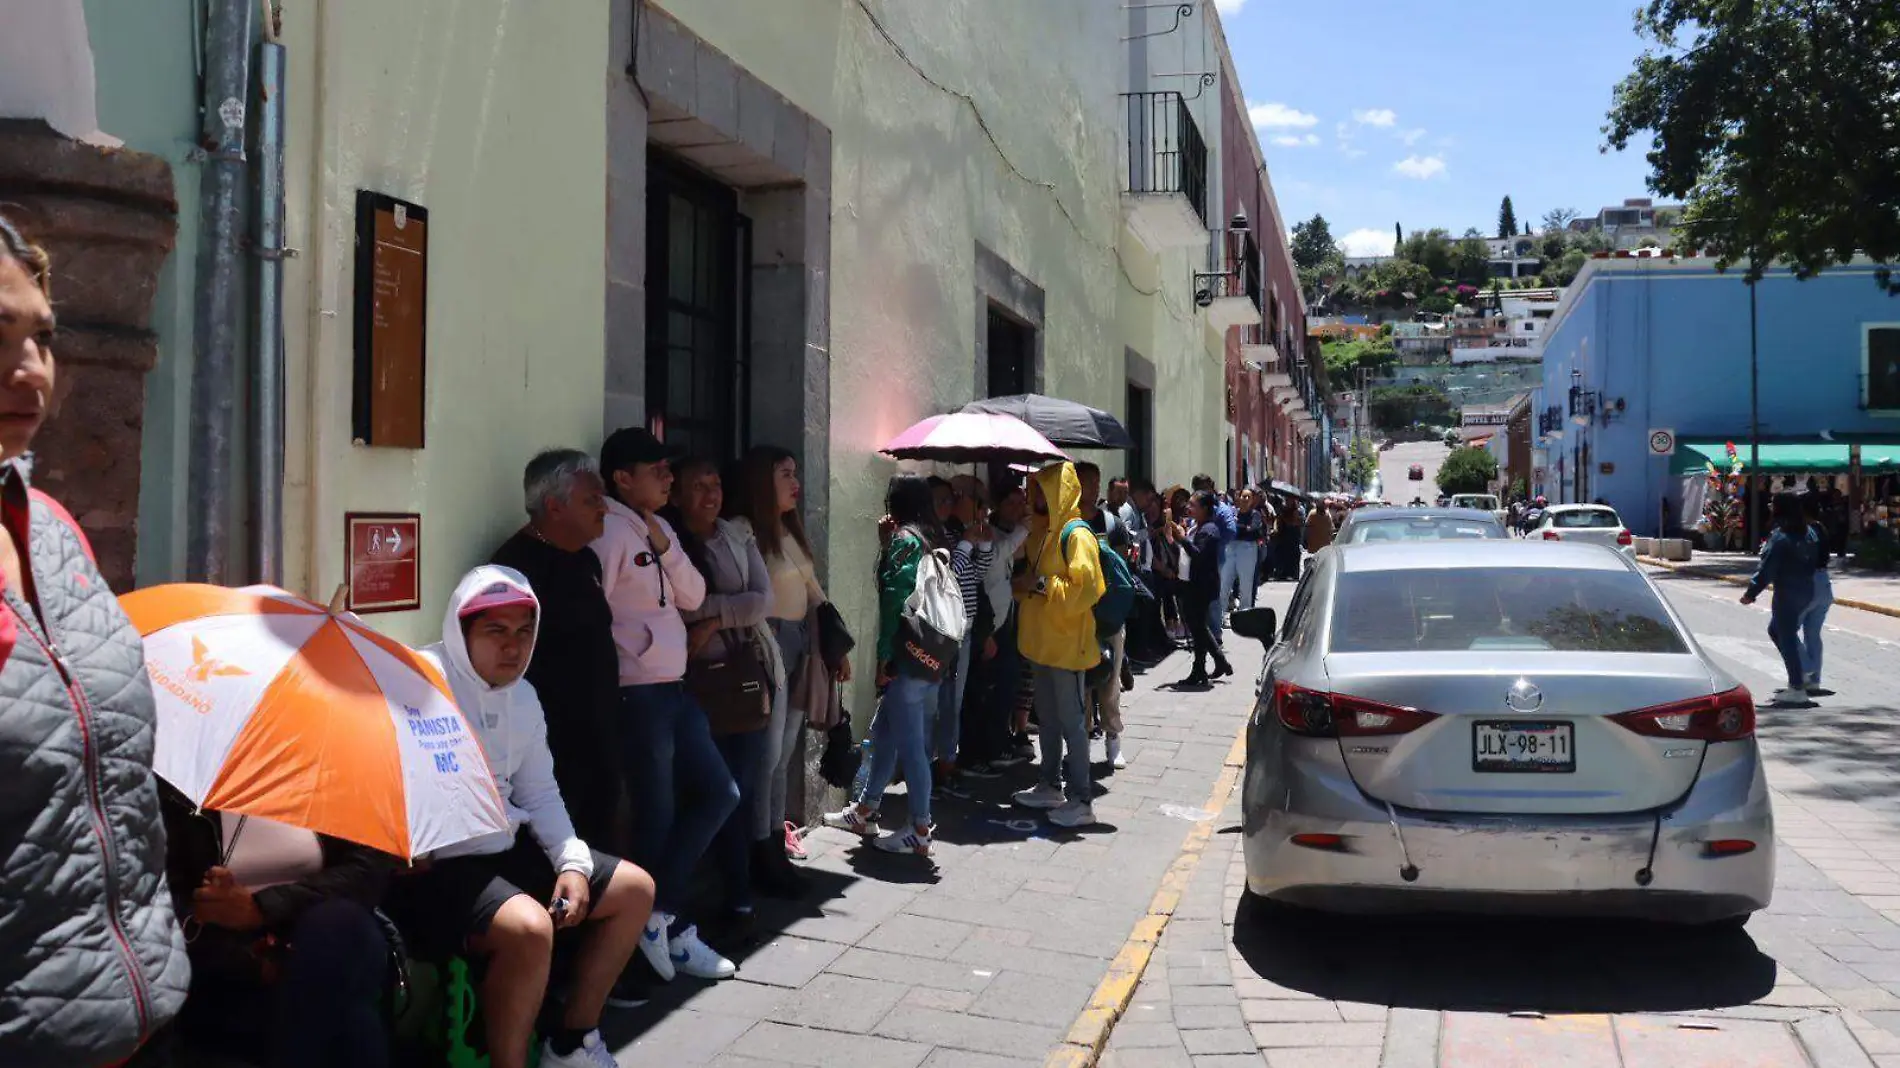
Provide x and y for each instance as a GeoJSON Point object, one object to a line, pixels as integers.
{"type": "Point", "coordinates": [647, 596]}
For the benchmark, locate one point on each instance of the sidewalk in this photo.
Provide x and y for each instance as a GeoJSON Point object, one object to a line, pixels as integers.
{"type": "Point", "coordinates": [984, 956]}
{"type": "Point", "coordinates": [1869, 591]}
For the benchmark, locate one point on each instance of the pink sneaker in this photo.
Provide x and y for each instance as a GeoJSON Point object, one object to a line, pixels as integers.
{"type": "Point", "coordinates": [794, 846]}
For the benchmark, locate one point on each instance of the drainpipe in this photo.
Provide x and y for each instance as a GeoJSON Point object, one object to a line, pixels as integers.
{"type": "Point", "coordinates": [267, 375]}
{"type": "Point", "coordinates": [221, 308]}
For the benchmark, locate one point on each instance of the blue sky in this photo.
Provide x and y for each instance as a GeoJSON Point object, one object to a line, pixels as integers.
{"type": "Point", "coordinates": [1373, 112]}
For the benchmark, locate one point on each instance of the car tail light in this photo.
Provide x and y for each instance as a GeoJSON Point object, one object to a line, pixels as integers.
{"type": "Point", "coordinates": [1551, 535]}
{"type": "Point", "coordinates": [1724, 717]}
{"type": "Point", "coordinates": [1623, 538]}
{"type": "Point", "coordinates": [1331, 715]}
{"type": "Point", "coordinates": [1727, 847]}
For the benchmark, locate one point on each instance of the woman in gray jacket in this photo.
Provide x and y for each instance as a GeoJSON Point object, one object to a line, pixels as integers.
{"type": "Point", "coordinates": [730, 622]}
{"type": "Point", "coordinates": [92, 962]}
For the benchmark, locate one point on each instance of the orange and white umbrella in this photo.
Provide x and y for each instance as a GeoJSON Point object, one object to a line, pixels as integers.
{"type": "Point", "coordinates": [274, 706]}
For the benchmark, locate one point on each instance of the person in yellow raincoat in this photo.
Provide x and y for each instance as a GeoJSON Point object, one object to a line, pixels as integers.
{"type": "Point", "coordinates": [1058, 593]}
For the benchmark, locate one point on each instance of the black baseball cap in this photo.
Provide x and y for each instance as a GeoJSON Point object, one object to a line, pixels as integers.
{"type": "Point", "coordinates": [631, 445]}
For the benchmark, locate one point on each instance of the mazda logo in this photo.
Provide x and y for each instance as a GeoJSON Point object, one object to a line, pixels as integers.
{"type": "Point", "coordinates": [1524, 697]}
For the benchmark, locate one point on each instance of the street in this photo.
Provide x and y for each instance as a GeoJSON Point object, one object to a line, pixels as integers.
{"type": "Point", "coordinates": [1813, 980]}
{"type": "Point", "coordinates": [1395, 465]}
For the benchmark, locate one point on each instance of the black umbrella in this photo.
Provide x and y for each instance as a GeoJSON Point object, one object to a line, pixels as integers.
{"type": "Point", "coordinates": [1065, 423]}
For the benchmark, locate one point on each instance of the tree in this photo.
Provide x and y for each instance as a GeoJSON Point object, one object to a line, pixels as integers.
{"type": "Point", "coordinates": [1558, 219]}
{"type": "Point", "coordinates": [1772, 122]}
{"type": "Point", "coordinates": [1400, 407]}
{"type": "Point", "coordinates": [1398, 233]}
{"type": "Point", "coordinates": [1468, 470]}
{"type": "Point", "coordinates": [1507, 219]}
{"type": "Point", "coordinates": [1472, 259]}
{"type": "Point", "coordinates": [1432, 250]}
{"type": "Point", "coordinates": [1346, 357]}
{"type": "Point", "coordinates": [1565, 271]}
{"type": "Point", "coordinates": [1313, 243]}
{"type": "Point", "coordinates": [1387, 283]}
{"type": "Point", "coordinates": [1362, 462]}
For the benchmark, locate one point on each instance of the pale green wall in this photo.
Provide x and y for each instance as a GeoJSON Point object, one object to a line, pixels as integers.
{"type": "Point", "coordinates": [489, 113]}
{"type": "Point", "coordinates": [917, 185]}
{"type": "Point", "coordinates": [147, 84]}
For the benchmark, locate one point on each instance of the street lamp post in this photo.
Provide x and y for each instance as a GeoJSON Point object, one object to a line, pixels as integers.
{"type": "Point", "coordinates": [1754, 410]}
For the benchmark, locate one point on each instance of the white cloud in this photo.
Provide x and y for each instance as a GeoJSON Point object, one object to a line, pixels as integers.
{"type": "Point", "coordinates": [1375, 117]}
{"type": "Point", "coordinates": [1411, 137]}
{"type": "Point", "coordinates": [1367, 242]}
{"type": "Point", "coordinates": [1230, 7]}
{"type": "Point", "coordinates": [1296, 141]}
{"type": "Point", "coordinates": [1421, 167]}
{"type": "Point", "coordinates": [1278, 115]}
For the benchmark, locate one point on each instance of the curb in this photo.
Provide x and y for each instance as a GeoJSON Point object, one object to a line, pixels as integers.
{"type": "Point", "coordinates": [1088, 1035]}
{"type": "Point", "coordinates": [1691, 569]}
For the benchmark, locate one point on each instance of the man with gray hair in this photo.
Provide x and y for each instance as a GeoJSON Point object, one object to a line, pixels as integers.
{"type": "Point", "coordinates": [574, 669]}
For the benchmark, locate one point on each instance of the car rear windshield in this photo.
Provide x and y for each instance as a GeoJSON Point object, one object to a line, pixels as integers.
{"type": "Point", "coordinates": [1586, 519]}
{"type": "Point", "coordinates": [1503, 608]}
{"type": "Point", "coordinates": [1421, 529]}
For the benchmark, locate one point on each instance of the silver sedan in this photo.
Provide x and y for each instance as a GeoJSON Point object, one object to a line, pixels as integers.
{"type": "Point", "coordinates": [1499, 726]}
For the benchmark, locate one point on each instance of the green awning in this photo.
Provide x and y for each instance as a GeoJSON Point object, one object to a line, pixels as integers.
{"type": "Point", "coordinates": [1785, 457]}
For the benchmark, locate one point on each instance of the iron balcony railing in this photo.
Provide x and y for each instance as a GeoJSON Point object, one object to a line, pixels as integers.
{"type": "Point", "coordinates": [1165, 150]}
{"type": "Point", "coordinates": [1234, 259]}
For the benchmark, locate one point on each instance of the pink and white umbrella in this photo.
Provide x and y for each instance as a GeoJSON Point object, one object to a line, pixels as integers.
{"type": "Point", "coordinates": [973, 438]}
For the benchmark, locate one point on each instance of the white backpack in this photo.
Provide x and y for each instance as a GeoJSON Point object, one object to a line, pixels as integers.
{"type": "Point", "coordinates": [933, 623]}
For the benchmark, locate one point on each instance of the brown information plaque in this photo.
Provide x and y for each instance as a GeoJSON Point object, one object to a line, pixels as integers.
{"type": "Point", "coordinates": [392, 311]}
{"type": "Point", "coordinates": [383, 554]}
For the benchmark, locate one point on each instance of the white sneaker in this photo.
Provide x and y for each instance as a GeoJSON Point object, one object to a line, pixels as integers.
{"type": "Point", "coordinates": [1073, 814]}
{"type": "Point", "coordinates": [1115, 758]}
{"type": "Point", "coordinates": [1039, 796]}
{"type": "Point", "coordinates": [591, 1053]}
{"type": "Point", "coordinates": [909, 840]}
{"type": "Point", "coordinates": [847, 819]}
{"type": "Point", "coordinates": [1788, 698]}
{"type": "Point", "coordinates": [697, 959]}
{"type": "Point", "coordinates": [653, 945]}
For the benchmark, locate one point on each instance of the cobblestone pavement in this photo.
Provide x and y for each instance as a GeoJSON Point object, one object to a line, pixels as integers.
{"type": "Point", "coordinates": [1815, 980]}
{"type": "Point", "coordinates": [983, 956]}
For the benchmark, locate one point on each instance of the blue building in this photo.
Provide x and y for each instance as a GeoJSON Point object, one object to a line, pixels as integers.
{"type": "Point", "coordinates": [1644, 345]}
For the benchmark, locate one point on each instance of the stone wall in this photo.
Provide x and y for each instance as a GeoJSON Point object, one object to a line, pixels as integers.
{"type": "Point", "coordinates": [108, 218]}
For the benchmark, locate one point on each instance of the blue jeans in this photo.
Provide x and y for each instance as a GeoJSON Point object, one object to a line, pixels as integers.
{"type": "Point", "coordinates": [1811, 622]}
{"type": "Point", "coordinates": [901, 732]}
{"type": "Point", "coordinates": [732, 849]}
{"type": "Point", "coordinates": [326, 1009]}
{"type": "Point", "coordinates": [1784, 629]}
{"type": "Point", "coordinates": [947, 729]}
{"type": "Point", "coordinates": [1237, 570]}
{"type": "Point", "coordinates": [682, 792]}
{"type": "Point", "coordinates": [1062, 709]}
{"type": "Point", "coordinates": [781, 743]}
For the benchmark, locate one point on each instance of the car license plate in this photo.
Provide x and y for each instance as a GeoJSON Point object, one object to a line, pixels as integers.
{"type": "Point", "coordinates": [1523, 745]}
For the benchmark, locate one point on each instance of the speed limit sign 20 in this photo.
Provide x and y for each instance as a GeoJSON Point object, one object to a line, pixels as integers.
{"type": "Point", "coordinates": [1662, 443]}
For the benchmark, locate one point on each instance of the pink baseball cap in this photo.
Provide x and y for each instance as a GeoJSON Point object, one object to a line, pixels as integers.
{"type": "Point", "coordinates": [497, 595]}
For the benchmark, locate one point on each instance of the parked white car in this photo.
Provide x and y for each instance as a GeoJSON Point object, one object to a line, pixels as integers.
{"type": "Point", "coordinates": [1596, 523]}
{"type": "Point", "coordinates": [1483, 502]}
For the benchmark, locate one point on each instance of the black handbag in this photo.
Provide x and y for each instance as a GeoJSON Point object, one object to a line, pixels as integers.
{"type": "Point", "coordinates": [834, 640]}
{"type": "Point", "coordinates": [839, 764]}
{"type": "Point", "coordinates": [734, 691]}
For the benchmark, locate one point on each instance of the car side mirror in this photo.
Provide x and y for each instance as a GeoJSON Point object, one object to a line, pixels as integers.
{"type": "Point", "coordinates": [1260, 624]}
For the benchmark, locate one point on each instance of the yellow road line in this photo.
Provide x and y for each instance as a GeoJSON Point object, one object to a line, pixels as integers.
{"type": "Point", "coordinates": [1691, 569]}
{"type": "Point", "coordinates": [1088, 1035]}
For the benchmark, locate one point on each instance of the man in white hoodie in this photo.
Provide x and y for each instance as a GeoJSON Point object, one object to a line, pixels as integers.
{"type": "Point", "coordinates": [682, 792]}
{"type": "Point", "coordinates": [505, 895]}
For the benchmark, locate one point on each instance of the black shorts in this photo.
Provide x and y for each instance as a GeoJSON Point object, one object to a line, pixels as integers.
{"type": "Point", "coordinates": [440, 909]}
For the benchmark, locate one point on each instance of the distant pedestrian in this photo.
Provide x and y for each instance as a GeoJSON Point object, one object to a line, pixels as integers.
{"type": "Point", "coordinates": [1787, 564]}
{"type": "Point", "coordinates": [1202, 545]}
{"type": "Point", "coordinates": [1252, 523]}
